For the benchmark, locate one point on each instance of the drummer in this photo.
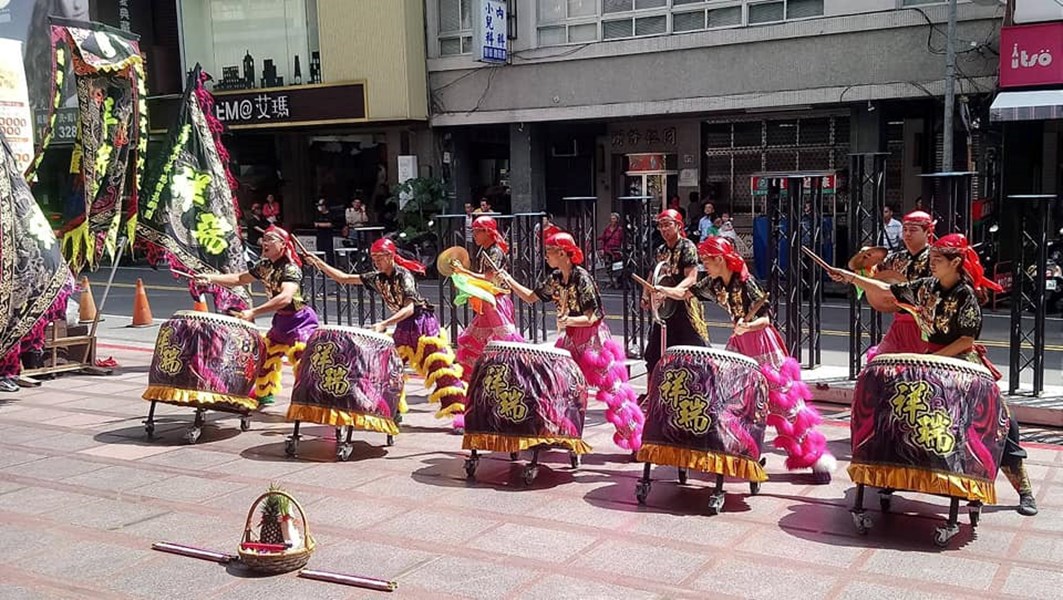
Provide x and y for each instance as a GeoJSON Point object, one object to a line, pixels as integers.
{"type": "Point", "coordinates": [730, 285]}
{"type": "Point", "coordinates": [418, 337]}
{"type": "Point", "coordinates": [946, 307]}
{"type": "Point", "coordinates": [686, 325]}
{"type": "Point", "coordinates": [586, 336]}
{"type": "Point", "coordinates": [280, 271]}
{"type": "Point", "coordinates": [492, 323]}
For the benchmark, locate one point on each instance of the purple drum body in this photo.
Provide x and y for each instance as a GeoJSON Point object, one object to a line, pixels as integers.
{"type": "Point", "coordinates": [706, 410]}
{"type": "Point", "coordinates": [348, 377]}
{"type": "Point", "coordinates": [206, 361]}
{"type": "Point", "coordinates": [522, 396]}
{"type": "Point", "coordinates": [928, 424]}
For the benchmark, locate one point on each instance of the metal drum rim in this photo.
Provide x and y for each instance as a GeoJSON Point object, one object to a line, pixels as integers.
{"type": "Point", "coordinates": [909, 358]}
{"type": "Point", "coordinates": [499, 345]}
{"type": "Point", "coordinates": [358, 331]}
{"type": "Point", "coordinates": [205, 316]}
{"type": "Point", "coordinates": [718, 352]}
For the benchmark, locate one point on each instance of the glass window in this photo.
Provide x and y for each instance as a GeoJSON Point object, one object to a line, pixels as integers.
{"type": "Point", "coordinates": [644, 4]}
{"type": "Point", "coordinates": [682, 2]}
{"type": "Point", "coordinates": [651, 25]}
{"type": "Point", "coordinates": [803, 9]}
{"type": "Point", "coordinates": [552, 36]}
{"type": "Point", "coordinates": [918, 2]}
{"type": "Point", "coordinates": [766, 13]}
{"type": "Point", "coordinates": [455, 27]}
{"type": "Point", "coordinates": [551, 11]}
{"type": "Point", "coordinates": [588, 32]}
{"type": "Point", "coordinates": [582, 8]}
{"type": "Point", "coordinates": [691, 21]}
{"type": "Point", "coordinates": [613, 6]}
{"type": "Point", "coordinates": [612, 30]}
{"type": "Point", "coordinates": [724, 17]}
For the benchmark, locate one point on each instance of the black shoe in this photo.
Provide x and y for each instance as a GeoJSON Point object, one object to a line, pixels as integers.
{"type": "Point", "coordinates": [1027, 505]}
{"type": "Point", "coordinates": [8, 384]}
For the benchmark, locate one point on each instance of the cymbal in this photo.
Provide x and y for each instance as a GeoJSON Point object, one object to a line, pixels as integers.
{"type": "Point", "coordinates": [446, 257]}
{"type": "Point", "coordinates": [867, 257]}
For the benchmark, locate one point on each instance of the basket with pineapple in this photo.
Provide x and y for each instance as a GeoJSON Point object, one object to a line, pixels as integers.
{"type": "Point", "coordinates": [282, 543]}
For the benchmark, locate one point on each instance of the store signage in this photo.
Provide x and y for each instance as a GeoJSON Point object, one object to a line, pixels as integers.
{"type": "Point", "coordinates": [645, 163]}
{"type": "Point", "coordinates": [491, 32]}
{"type": "Point", "coordinates": [15, 116]}
{"type": "Point", "coordinates": [758, 184]}
{"type": "Point", "coordinates": [291, 106]}
{"type": "Point", "coordinates": [1031, 55]}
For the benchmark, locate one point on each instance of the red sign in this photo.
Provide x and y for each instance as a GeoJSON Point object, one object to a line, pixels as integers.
{"type": "Point", "coordinates": [1031, 55]}
{"type": "Point", "coordinates": [645, 163]}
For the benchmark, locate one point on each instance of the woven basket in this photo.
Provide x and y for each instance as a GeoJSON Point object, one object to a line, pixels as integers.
{"type": "Point", "coordinates": [276, 562]}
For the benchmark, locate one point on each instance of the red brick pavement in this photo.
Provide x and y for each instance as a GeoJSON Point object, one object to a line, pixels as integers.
{"type": "Point", "coordinates": [83, 495]}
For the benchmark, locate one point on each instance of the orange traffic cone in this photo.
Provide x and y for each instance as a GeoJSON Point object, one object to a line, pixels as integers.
{"type": "Point", "coordinates": [141, 310]}
{"type": "Point", "coordinates": [200, 304]}
{"type": "Point", "coordinates": [87, 306]}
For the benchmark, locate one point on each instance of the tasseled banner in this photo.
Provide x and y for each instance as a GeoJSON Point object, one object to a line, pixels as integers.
{"type": "Point", "coordinates": [434, 360]}
{"type": "Point", "coordinates": [794, 420]}
{"type": "Point", "coordinates": [605, 371]}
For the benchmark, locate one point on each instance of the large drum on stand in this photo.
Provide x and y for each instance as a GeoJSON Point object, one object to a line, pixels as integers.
{"type": "Point", "coordinates": [348, 378]}
{"type": "Point", "coordinates": [207, 362]}
{"type": "Point", "coordinates": [706, 410]}
{"type": "Point", "coordinates": [525, 397]}
{"type": "Point", "coordinates": [927, 424]}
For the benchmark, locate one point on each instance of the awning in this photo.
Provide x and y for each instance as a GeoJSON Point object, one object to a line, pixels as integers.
{"type": "Point", "coordinates": [1027, 106]}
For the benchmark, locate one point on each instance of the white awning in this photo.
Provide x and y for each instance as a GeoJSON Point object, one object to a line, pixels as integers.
{"type": "Point", "coordinates": [1038, 105]}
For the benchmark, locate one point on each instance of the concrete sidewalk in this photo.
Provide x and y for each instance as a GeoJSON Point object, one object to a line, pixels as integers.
{"type": "Point", "coordinates": [83, 495]}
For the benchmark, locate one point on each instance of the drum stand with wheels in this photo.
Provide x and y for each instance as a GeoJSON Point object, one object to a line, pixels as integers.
{"type": "Point", "coordinates": [942, 534]}
{"type": "Point", "coordinates": [344, 446]}
{"type": "Point", "coordinates": [716, 500]}
{"type": "Point", "coordinates": [193, 433]}
{"type": "Point", "coordinates": [530, 470]}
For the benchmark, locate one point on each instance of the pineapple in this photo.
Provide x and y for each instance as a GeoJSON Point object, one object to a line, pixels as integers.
{"type": "Point", "coordinates": [275, 506]}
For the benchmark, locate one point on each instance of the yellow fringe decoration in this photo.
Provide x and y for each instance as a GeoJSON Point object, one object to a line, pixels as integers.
{"type": "Point", "coordinates": [338, 418]}
{"type": "Point", "coordinates": [451, 369]}
{"type": "Point", "coordinates": [452, 390]}
{"type": "Point", "coordinates": [443, 413]}
{"type": "Point", "coordinates": [706, 462]}
{"type": "Point", "coordinates": [198, 398]}
{"type": "Point", "coordinates": [268, 381]}
{"type": "Point", "coordinates": [924, 481]}
{"type": "Point", "coordinates": [497, 442]}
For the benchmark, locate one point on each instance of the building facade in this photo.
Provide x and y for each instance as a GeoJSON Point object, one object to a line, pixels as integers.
{"type": "Point", "coordinates": [691, 98]}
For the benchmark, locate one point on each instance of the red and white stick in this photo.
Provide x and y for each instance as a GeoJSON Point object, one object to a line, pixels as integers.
{"type": "Point", "coordinates": [172, 548]}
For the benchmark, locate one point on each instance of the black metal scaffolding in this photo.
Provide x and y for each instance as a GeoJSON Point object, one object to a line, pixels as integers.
{"type": "Point", "coordinates": [948, 197]}
{"type": "Point", "coordinates": [637, 217]}
{"type": "Point", "coordinates": [1028, 290]}
{"type": "Point", "coordinates": [866, 200]}
{"type": "Point", "coordinates": [581, 220]}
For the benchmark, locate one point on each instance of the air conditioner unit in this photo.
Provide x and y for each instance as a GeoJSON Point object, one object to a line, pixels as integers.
{"type": "Point", "coordinates": [565, 149]}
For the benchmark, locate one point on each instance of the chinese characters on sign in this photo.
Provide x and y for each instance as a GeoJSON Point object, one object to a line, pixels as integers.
{"type": "Point", "coordinates": [509, 400]}
{"type": "Point", "coordinates": [651, 136]}
{"type": "Point", "coordinates": [492, 31]}
{"type": "Point", "coordinates": [689, 410]}
{"type": "Point", "coordinates": [124, 22]}
{"type": "Point", "coordinates": [291, 106]}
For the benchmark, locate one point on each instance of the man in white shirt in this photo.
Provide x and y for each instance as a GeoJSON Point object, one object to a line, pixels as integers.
{"type": "Point", "coordinates": [891, 229]}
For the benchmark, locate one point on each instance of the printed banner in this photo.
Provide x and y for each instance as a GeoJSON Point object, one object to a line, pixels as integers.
{"type": "Point", "coordinates": [189, 217]}
{"type": "Point", "coordinates": [16, 119]}
{"type": "Point", "coordinates": [32, 270]}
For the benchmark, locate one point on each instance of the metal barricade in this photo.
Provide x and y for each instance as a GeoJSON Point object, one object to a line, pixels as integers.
{"type": "Point", "coordinates": [581, 220]}
{"type": "Point", "coordinates": [1028, 291]}
{"type": "Point", "coordinates": [866, 202]}
{"type": "Point", "coordinates": [637, 218]}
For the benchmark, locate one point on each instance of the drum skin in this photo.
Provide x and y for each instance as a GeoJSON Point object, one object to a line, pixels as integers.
{"type": "Point", "coordinates": [348, 377]}
{"type": "Point", "coordinates": [522, 396]}
{"type": "Point", "coordinates": [928, 424]}
{"type": "Point", "coordinates": [206, 361]}
{"type": "Point", "coordinates": [706, 410]}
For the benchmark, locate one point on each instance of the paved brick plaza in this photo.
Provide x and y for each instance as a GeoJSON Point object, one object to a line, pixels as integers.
{"type": "Point", "coordinates": [83, 495]}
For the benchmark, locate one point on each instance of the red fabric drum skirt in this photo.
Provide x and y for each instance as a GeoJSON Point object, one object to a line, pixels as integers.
{"type": "Point", "coordinates": [205, 360]}
{"type": "Point", "coordinates": [348, 377]}
{"type": "Point", "coordinates": [522, 396]}
{"type": "Point", "coordinates": [707, 410]}
{"type": "Point", "coordinates": [928, 424]}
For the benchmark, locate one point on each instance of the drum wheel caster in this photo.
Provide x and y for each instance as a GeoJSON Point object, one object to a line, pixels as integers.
{"type": "Point", "coordinates": [514, 456]}
{"type": "Point", "coordinates": [885, 500]}
{"type": "Point", "coordinates": [470, 466]}
{"type": "Point", "coordinates": [716, 503]}
{"type": "Point", "coordinates": [943, 534]}
{"type": "Point", "coordinates": [343, 453]}
{"type": "Point", "coordinates": [150, 429]}
{"type": "Point", "coordinates": [291, 448]}
{"type": "Point", "coordinates": [245, 423]}
{"type": "Point", "coordinates": [862, 522]}
{"type": "Point", "coordinates": [573, 460]}
{"type": "Point", "coordinates": [529, 473]}
{"type": "Point", "coordinates": [682, 476]}
{"type": "Point", "coordinates": [642, 491]}
{"type": "Point", "coordinates": [192, 435]}
{"type": "Point", "coordinates": [974, 513]}
{"type": "Point", "coordinates": [754, 488]}
{"type": "Point", "coordinates": [390, 440]}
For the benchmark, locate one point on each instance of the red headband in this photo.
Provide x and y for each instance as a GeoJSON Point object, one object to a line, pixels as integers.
{"type": "Point", "coordinates": [489, 225]}
{"type": "Point", "coordinates": [386, 246]}
{"type": "Point", "coordinates": [971, 264]}
{"type": "Point", "coordinates": [715, 245]}
{"type": "Point", "coordinates": [673, 215]}
{"type": "Point", "coordinates": [918, 217]}
{"type": "Point", "coordinates": [289, 244]}
{"type": "Point", "coordinates": [568, 245]}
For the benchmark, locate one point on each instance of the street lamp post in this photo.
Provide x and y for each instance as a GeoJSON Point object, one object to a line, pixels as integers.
{"type": "Point", "coordinates": [950, 89]}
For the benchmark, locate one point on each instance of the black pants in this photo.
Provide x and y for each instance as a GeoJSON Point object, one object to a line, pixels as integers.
{"type": "Point", "coordinates": [1013, 452]}
{"type": "Point", "coordinates": [680, 333]}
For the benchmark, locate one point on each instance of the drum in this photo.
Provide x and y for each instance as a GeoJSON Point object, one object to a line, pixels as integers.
{"type": "Point", "coordinates": [348, 377]}
{"type": "Point", "coordinates": [706, 410]}
{"type": "Point", "coordinates": [206, 360]}
{"type": "Point", "coordinates": [523, 396]}
{"type": "Point", "coordinates": [928, 424]}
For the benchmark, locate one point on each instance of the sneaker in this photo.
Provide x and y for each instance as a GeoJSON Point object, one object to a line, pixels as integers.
{"type": "Point", "coordinates": [265, 401]}
{"type": "Point", "coordinates": [8, 384]}
{"type": "Point", "coordinates": [1027, 505]}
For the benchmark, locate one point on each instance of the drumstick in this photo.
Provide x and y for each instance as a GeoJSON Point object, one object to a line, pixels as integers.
{"type": "Point", "coordinates": [819, 261]}
{"type": "Point", "coordinates": [643, 282]}
{"type": "Point", "coordinates": [183, 274]}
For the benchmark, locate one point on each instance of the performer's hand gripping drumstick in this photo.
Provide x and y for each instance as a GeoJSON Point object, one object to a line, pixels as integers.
{"type": "Point", "coordinates": [878, 292]}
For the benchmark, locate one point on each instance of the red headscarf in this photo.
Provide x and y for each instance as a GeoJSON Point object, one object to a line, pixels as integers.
{"type": "Point", "coordinates": [386, 246]}
{"type": "Point", "coordinates": [922, 219]}
{"type": "Point", "coordinates": [551, 230]}
{"type": "Point", "coordinates": [673, 215]}
{"type": "Point", "coordinates": [568, 245]}
{"type": "Point", "coordinates": [489, 225]}
{"type": "Point", "coordinates": [715, 245]}
{"type": "Point", "coordinates": [971, 264]}
{"type": "Point", "coordinates": [289, 244]}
